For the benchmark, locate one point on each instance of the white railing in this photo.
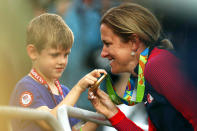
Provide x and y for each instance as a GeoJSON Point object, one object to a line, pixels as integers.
{"type": "Point", "coordinates": [31, 114]}
{"type": "Point", "coordinates": [63, 112]}
{"type": "Point", "coordinates": [67, 111]}
{"type": "Point", "coordinates": [60, 124]}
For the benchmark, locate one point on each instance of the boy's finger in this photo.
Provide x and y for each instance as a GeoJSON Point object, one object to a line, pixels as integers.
{"type": "Point", "coordinates": [90, 81]}
{"type": "Point", "coordinates": [102, 71]}
{"type": "Point", "coordinates": [89, 77]}
{"type": "Point", "coordinates": [98, 72]}
{"type": "Point", "coordinates": [98, 82]}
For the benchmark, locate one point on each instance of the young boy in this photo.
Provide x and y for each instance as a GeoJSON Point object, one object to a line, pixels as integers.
{"type": "Point", "coordinates": [49, 42]}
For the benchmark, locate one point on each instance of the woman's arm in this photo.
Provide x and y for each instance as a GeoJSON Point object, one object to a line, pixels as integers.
{"type": "Point", "coordinates": [102, 103]}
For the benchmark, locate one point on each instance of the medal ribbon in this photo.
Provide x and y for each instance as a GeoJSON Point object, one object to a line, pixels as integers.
{"type": "Point", "coordinates": [134, 92]}
{"type": "Point", "coordinates": [41, 80]}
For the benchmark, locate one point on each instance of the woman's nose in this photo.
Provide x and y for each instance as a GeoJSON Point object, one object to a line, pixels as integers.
{"type": "Point", "coordinates": [104, 52]}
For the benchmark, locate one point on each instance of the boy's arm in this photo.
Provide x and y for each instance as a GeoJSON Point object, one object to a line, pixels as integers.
{"type": "Point", "coordinates": [88, 126]}
{"type": "Point", "coordinates": [43, 123]}
{"type": "Point", "coordinates": [74, 94]}
{"type": "Point", "coordinates": [69, 100]}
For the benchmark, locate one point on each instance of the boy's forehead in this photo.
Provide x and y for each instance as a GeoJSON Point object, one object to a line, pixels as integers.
{"type": "Point", "coordinates": [59, 48]}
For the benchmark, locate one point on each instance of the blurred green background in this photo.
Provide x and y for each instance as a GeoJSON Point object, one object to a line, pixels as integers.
{"type": "Point", "coordinates": [14, 63]}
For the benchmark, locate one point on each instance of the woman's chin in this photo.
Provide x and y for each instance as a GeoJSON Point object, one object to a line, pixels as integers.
{"type": "Point", "coordinates": [119, 70]}
{"type": "Point", "coordinates": [114, 71]}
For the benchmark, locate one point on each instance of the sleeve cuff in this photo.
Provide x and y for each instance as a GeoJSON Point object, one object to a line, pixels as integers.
{"type": "Point", "coordinates": [117, 117]}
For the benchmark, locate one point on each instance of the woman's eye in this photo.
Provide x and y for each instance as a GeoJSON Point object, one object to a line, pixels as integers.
{"type": "Point", "coordinates": [107, 44]}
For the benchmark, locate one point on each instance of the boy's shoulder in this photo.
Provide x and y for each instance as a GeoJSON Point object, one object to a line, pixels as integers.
{"type": "Point", "coordinates": [26, 88]}
{"type": "Point", "coordinates": [25, 82]}
{"type": "Point", "coordinates": [25, 79]}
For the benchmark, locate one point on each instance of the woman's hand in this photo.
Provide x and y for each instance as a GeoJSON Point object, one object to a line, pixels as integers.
{"type": "Point", "coordinates": [102, 103]}
{"type": "Point", "coordinates": [89, 79]}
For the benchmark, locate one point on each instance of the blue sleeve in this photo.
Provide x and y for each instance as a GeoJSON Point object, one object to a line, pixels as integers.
{"type": "Point", "coordinates": [27, 95]}
{"type": "Point", "coordinates": [65, 90]}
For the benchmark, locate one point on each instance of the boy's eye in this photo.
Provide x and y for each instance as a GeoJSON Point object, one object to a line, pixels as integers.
{"type": "Point", "coordinates": [66, 55]}
{"type": "Point", "coordinates": [54, 55]}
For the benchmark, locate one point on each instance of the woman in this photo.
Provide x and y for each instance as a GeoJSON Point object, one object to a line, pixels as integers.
{"type": "Point", "coordinates": [133, 43]}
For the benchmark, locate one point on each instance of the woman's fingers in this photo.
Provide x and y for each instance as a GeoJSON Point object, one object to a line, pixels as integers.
{"type": "Point", "coordinates": [94, 99]}
{"type": "Point", "coordinates": [101, 94]}
{"type": "Point", "coordinates": [102, 103]}
{"type": "Point", "coordinates": [91, 95]}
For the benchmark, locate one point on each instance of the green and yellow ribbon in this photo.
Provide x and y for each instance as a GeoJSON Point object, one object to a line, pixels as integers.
{"type": "Point", "coordinates": [134, 93]}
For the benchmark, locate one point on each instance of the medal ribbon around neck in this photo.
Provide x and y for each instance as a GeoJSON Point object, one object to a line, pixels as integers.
{"type": "Point", "coordinates": [134, 92]}
{"type": "Point", "coordinates": [41, 80]}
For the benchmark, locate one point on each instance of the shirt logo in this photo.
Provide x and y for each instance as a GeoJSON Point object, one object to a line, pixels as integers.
{"type": "Point", "coordinates": [26, 99]}
{"type": "Point", "coordinates": [149, 98]}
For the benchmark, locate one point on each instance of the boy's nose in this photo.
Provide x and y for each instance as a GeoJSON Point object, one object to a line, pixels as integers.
{"type": "Point", "coordinates": [62, 60]}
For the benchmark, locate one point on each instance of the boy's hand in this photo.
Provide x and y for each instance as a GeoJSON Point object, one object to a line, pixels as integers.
{"type": "Point", "coordinates": [90, 79]}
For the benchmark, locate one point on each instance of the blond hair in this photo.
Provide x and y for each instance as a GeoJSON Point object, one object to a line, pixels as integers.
{"type": "Point", "coordinates": [49, 30]}
{"type": "Point", "coordinates": [130, 18]}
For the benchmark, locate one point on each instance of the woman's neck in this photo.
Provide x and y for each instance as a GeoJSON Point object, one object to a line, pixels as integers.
{"type": "Point", "coordinates": [122, 83]}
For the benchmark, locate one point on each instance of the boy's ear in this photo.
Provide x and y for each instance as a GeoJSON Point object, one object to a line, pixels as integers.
{"type": "Point", "coordinates": [134, 40]}
{"type": "Point", "coordinates": [32, 51]}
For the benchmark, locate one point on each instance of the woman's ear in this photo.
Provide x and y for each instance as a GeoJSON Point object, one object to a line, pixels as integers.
{"type": "Point", "coordinates": [135, 41]}
{"type": "Point", "coordinates": [32, 51]}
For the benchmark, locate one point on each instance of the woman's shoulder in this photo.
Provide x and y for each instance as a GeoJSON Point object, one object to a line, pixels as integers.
{"type": "Point", "coordinates": [162, 57]}
{"type": "Point", "coordinates": [157, 54]}
{"type": "Point", "coordinates": [160, 67]}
